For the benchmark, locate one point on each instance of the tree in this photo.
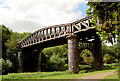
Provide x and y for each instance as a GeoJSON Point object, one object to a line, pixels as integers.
{"type": "Point", "coordinates": [108, 15]}
{"type": "Point", "coordinates": [10, 46]}
{"type": "Point", "coordinates": [110, 53]}
{"type": "Point", "coordinates": [87, 57]}
{"type": "Point", "coordinates": [57, 62]}
{"type": "Point", "coordinates": [24, 35]}
{"type": "Point", "coordinates": [6, 65]}
{"type": "Point", "coordinates": [55, 56]}
{"type": "Point", "coordinates": [5, 36]}
{"type": "Point", "coordinates": [12, 49]}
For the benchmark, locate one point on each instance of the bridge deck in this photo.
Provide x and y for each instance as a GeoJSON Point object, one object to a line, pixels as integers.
{"type": "Point", "coordinates": [56, 34]}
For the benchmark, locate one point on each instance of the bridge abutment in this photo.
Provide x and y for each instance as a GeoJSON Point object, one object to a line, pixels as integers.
{"type": "Point", "coordinates": [73, 53]}
{"type": "Point", "coordinates": [20, 60]}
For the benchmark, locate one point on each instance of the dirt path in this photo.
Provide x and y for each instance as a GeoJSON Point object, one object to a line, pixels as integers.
{"type": "Point", "coordinates": [98, 75]}
{"type": "Point", "coordinates": [95, 77]}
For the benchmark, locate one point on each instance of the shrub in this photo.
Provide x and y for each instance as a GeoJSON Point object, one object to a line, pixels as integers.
{"type": "Point", "coordinates": [109, 59]}
{"type": "Point", "coordinates": [84, 67]}
{"type": "Point", "coordinates": [87, 57]}
{"type": "Point", "coordinates": [83, 71]}
{"type": "Point", "coordinates": [110, 66]}
{"type": "Point", "coordinates": [69, 72]}
{"type": "Point", "coordinates": [6, 65]}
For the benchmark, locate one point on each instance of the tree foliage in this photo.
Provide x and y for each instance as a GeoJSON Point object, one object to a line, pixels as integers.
{"type": "Point", "coordinates": [108, 15]}
{"type": "Point", "coordinates": [5, 36]}
{"type": "Point", "coordinates": [24, 35]}
{"type": "Point", "coordinates": [10, 46]}
{"type": "Point", "coordinates": [55, 56]}
{"type": "Point", "coordinates": [12, 49]}
{"type": "Point", "coordinates": [110, 53]}
{"type": "Point", "coordinates": [6, 65]}
{"type": "Point", "coordinates": [87, 57]}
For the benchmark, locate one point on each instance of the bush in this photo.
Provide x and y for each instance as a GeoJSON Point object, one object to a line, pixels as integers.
{"type": "Point", "coordinates": [6, 65]}
{"type": "Point", "coordinates": [109, 59]}
{"type": "Point", "coordinates": [83, 71]}
{"type": "Point", "coordinates": [106, 58]}
{"type": "Point", "coordinates": [66, 66]}
{"type": "Point", "coordinates": [84, 67]}
{"type": "Point", "coordinates": [110, 66]}
{"type": "Point", "coordinates": [56, 58]}
{"type": "Point", "coordinates": [87, 57]}
{"type": "Point", "coordinates": [69, 72]}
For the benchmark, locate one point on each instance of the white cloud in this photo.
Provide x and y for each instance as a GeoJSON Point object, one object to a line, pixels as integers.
{"type": "Point", "coordinates": [31, 15]}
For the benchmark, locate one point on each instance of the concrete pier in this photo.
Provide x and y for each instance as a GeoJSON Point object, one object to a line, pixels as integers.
{"type": "Point", "coordinates": [39, 63]}
{"type": "Point", "coordinates": [98, 54]}
{"type": "Point", "coordinates": [20, 60]}
{"type": "Point", "coordinates": [73, 53]}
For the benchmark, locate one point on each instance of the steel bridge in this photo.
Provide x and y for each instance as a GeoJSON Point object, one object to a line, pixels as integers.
{"type": "Point", "coordinates": [79, 31]}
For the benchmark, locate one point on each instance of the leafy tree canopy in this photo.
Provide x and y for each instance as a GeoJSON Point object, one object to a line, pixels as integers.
{"type": "Point", "coordinates": [108, 15]}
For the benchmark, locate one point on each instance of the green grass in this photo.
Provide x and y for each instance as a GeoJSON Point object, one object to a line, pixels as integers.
{"type": "Point", "coordinates": [59, 74]}
{"type": "Point", "coordinates": [51, 75]}
{"type": "Point", "coordinates": [113, 77]}
{"type": "Point", "coordinates": [74, 76]}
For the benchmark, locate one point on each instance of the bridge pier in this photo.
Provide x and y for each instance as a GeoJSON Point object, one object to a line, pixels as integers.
{"type": "Point", "coordinates": [39, 62]}
{"type": "Point", "coordinates": [20, 60]}
{"type": "Point", "coordinates": [73, 53]}
{"type": "Point", "coordinates": [98, 54]}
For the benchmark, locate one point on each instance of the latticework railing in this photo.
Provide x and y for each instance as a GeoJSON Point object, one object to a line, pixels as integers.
{"type": "Point", "coordinates": [57, 31]}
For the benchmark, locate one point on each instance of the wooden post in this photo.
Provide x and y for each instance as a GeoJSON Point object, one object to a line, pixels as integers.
{"type": "Point", "coordinates": [73, 53]}
{"type": "Point", "coordinates": [20, 60]}
{"type": "Point", "coordinates": [98, 54]}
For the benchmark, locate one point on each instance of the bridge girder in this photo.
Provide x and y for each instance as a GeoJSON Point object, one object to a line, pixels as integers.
{"type": "Point", "coordinates": [56, 35]}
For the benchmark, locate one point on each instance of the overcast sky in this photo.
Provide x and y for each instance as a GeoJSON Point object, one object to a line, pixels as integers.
{"type": "Point", "coordinates": [31, 15]}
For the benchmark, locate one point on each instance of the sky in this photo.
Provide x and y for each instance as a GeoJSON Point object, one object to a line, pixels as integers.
{"type": "Point", "coordinates": [31, 15]}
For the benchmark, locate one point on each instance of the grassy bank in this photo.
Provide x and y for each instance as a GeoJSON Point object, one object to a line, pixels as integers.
{"type": "Point", "coordinates": [113, 77]}
{"type": "Point", "coordinates": [52, 75]}
{"type": "Point", "coordinates": [60, 74]}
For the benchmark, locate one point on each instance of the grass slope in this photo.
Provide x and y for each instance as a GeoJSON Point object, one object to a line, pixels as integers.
{"type": "Point", "coordinates": [51, 75]}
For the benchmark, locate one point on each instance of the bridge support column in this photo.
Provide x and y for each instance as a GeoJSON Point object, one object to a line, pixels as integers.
{"type": "Point", "coordinates": [39, 62]}
{"type": "Point", "coordinates": [98, 54]}
{"type": "Point", "coordinates": [20, 60]}
{"type": "Point", "coordinates": [73, 53]}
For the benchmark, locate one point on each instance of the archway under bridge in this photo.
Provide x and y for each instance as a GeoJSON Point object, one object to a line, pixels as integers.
{"type": "Point", "coordinates": [71, 33]}
{"type": "Point", "coordinates": [91, 47]}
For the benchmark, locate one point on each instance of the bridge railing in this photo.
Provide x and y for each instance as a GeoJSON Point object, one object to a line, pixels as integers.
{"type": "Point", "coordinates": [57, 31]}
